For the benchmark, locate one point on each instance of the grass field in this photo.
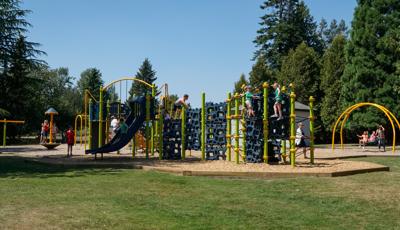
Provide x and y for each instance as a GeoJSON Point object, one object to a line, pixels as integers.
{"type": "Point", "coordinates": [44, 197]}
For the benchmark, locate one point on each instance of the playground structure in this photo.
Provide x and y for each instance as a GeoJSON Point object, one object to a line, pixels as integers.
{"type": "Point", "coordinates": [208, 129]}
{"type": "Point", "coordinates": [51, 145]}
{"type": "Point", "coordinates": [5, 122]}
{"type": "Point", "coordinates": [346, 114]}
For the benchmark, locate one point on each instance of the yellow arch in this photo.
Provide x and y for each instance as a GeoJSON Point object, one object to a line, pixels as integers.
{"type": "Point", "coordinates": [128, 79]}
{"type": "Point", "coordinates": [345, 115]}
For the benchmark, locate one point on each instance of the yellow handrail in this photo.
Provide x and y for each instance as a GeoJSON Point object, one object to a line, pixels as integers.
{"type": "Point", "coordinates": [12, 121]}
{"type": "Point", "coordinates": [128, 79]}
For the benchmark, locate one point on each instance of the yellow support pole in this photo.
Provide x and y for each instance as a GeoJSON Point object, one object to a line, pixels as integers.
{"type": "Point", "coordinates": [90, 125]}
{"type": "Point", "coordinates": [243, 129]}
{"type": "Point", "coordinates": [51, 129]}
{"type": "Point", "coordinates": [100, 117]}
{"type": "Point", "coordinates": [160, 134]}
{"type": "Point", "coordinates": [237, 96]}
{"type": "Point", "coordinates": [229, 127]}
{"type": "Point", "coordinates": [265, 121]}
{"type": "Point", "coordinates": [183, 133]}
{"type": "Point", "coordinates": [312, 99]}
{"type": "Point", "coordinates": [203, 126]}
{"type": "Point", "coordinates": [147, 128]}
{"type": "Point", "coordinates": [153, 95]}
{"type": "Point", "coordinates": [292, 130]}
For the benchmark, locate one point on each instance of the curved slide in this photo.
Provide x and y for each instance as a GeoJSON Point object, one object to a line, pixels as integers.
{"type": "Point", "coordinates": [134, 121]}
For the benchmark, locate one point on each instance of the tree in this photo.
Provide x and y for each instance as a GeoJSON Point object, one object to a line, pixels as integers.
{"type": "Point", "coordinates": [58, 92]}
{"type": "Point", "coordinates": [333, 63]}
{"type": "Point", "coordinates": [239, 84]}
{"type": "Point", "coordinates": [13, 26]}
{"type": "Point", "coordinates": [17, 58]}
{"type": "Point", "coordinates": [286, 24]}
{"type": "Point", "coordinates": [328, 34]}
{"type": "Point", "coordinates": [260, 73]}
{"type": "Point", "coordinates": [372, 59]}
{"type": "Point", "coordinates": [91, 79]}
{"type": "Point", "coordinates": [147, 74]}
{"type": "Point", "coordinates": [19, 88]}
{"type": "Point", "coordinates": [301, 67]}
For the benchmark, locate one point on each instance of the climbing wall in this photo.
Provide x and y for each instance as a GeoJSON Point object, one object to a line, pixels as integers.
{"type": "Point", "coordinates": [172, 139]}
{"type": "Point", "coordinates": [215, 130]}
{"type": "Point", "coordinates": [193, 129]}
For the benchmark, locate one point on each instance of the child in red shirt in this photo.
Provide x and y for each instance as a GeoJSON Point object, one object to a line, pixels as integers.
{"type": "Point", "coordinates": [70, 140]}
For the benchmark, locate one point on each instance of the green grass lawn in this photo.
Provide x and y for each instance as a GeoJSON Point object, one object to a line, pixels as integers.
{"type": "Point", "coordinates": [44, 197]}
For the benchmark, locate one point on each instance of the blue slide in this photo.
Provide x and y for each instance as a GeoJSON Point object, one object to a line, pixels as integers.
{"type": "Point", "coordinates": [134, 122]}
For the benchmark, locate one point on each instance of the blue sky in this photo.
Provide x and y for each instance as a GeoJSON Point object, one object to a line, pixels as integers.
{"type": "Point", "coordinates": [194, 46]}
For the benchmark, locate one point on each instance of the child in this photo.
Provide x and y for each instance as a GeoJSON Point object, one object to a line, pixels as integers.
{"type": "Point", "coordinates": [179, 103]}
{"type": "Point", "coordinates": [44, 132]}
{"type": "Point", "coordinates": [123, 128]}
{"type": "Point", "coordinates": [363, 139]}
{"type": "Point", "coordinates": [278, 101]}
{"type": "Point", "coordinates": [70, 140]}
{"type": "Point", "coordinates": [372, 138]}
{"type": "Point", "coordinates": [249, 105]}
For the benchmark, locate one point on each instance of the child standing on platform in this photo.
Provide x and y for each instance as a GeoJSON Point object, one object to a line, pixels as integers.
{"type": "Point", "coordinates": [278, 102]}
{"type": "Point", "coordinates": [249, 101]}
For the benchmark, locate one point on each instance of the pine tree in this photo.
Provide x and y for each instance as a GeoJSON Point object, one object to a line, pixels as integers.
{"type": "Point", "coordinates": [302, 68]}
{"type": "Point", "coordinates": [286, 24]}
{"type": "Point", "coordinates": [238, 88]}
{"type": "Point", "coordinates": [18, 84]}
{"type": "Point", "coordinates": [15, 53]}
{"type": "Point", "coordinates": [327, 34]}
{"type": "Point", "coordinates": [260, 73]}
{"type": "Point", "coordinates": [13, 24]}
{"type": "Point", "coordinates": [91, 79]}
{"type": "Point", "coordinates": [333, 63]}
{"type": "Point", "coordinates": [372, 59]}
{"type": "Point", "coordinates": [147, 74]}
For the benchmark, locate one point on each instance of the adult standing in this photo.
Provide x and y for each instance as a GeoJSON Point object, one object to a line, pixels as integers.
{"type": "Point", "coordinates": [381, 137]}
{"type": "Point", "coordinates": [300, 139]}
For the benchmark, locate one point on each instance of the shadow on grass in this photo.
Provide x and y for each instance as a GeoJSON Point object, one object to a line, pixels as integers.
{"type": "Point", "coordinates": [14, 166]}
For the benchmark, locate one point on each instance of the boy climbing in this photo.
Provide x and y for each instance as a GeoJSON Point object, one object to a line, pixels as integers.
{"type": "Point", "coordinates": [278, 102]}
{"type": "Point", "coordinates": [179, 103]}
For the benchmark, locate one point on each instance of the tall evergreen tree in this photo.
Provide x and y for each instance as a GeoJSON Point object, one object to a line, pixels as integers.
{"type": "Point", "coordinates": [286, 24]}
{"type": "Point", "coordinates": [147, 74]}
{"type": "Point", "coordinates": [333, 63]}
{"type": "Point", "coordinates": [238, 87]}
{"type": "Point", "coordinates": [327, 34]}
{"type": "Point", "coordinates": [20, 90]}
{"type": "Point", "coordinates": [302, 68]}
{"type": "Point", "coordinates": [17, 55]}
{"type": "Point", "coordinates": [91, 79]}
{"type": "Point", "coordinates": [260, 73]}
{"type": "Point", "coordinates": [372, 59]}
